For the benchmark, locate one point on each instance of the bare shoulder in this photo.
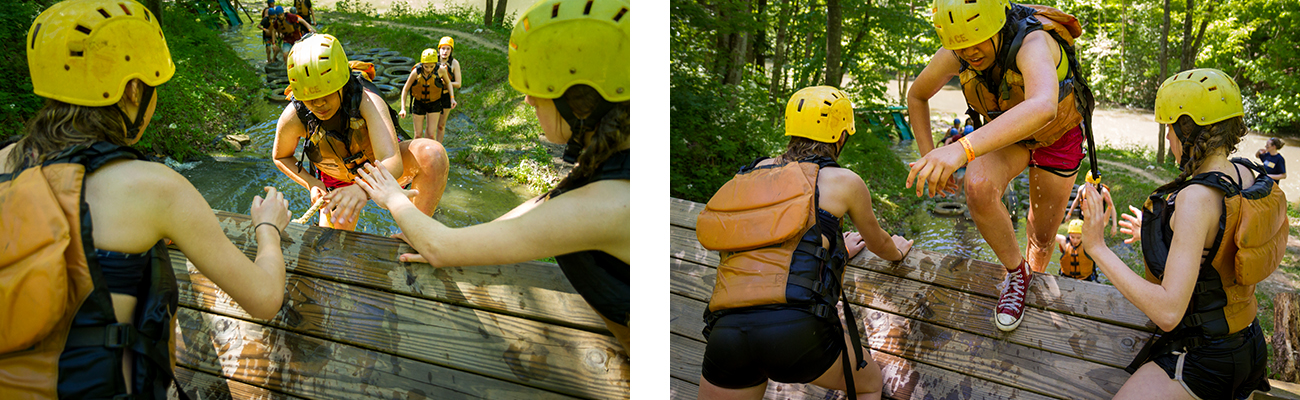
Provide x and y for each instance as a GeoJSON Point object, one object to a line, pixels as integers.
{"type": "Point", "coordinates": [142, 177]}
{"type": "Point", "coordinates": [1202, 201]}
{"type": "Point", "coordinates": [842, 178]}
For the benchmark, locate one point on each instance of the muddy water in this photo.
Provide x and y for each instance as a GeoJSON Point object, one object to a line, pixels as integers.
{"type": "Point", "coordinates": [1119, 127]}
{"type": "Point", "coordinates": [230, 183]}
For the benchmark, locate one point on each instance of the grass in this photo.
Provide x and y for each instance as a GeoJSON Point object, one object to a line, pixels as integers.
{"type": "Point", "coordinates": [505, 139]}
{"type": "Point", "coordinates": [868, 154]}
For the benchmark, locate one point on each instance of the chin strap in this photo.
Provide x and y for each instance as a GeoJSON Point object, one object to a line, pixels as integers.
{"type": "Point", "coordinates": [579, 126]}
{"type": "Point", "coordinates": [133, 125]}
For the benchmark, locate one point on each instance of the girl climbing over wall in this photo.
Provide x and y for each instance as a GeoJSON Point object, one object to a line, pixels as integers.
{"type": "Point", "coordinates": [1019, 73]}
{"type": "Point", "coordinates": [582, 99]}
{"type": "Point", "coordinates": [772, 314]}
{"type": "Point", "coordinates": [347, 124]}
{"type": "Point", "coordinates": [1207, 238]}
{"type": "Point", "coordinates": [426, 87]}
{"type": "Point", "coordinates": [98, 63]}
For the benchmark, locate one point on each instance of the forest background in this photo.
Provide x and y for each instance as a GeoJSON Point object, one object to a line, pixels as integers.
{"type": "Point", "coordinates": [734, 63]}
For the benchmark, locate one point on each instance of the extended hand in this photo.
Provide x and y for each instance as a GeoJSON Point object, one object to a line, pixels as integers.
{"type": "Point", "coordinates": [935, 169]}
{"type": "Point", "coordinates": [904, 246]}
{"type": "Point", "coordinates": [382, 187]}
{"type": "Point", "coordinates": [412, 257]}
{"type": "Point", "coordinates": [853, 242]}
{"type": "Point", "coordinates": [1094, 214]}
{"type": "Point", "coordinates": [274, 209]}
{"type": "Point", "coordinates": [1132, 225]}
{"type": "Point", "coordinates": [344, 204]}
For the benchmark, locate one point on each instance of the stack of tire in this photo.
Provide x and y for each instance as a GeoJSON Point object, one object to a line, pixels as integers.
{"type": "Point", "coordinates": [391, 69]}
{"type": "Point", "coordinates": [277, 79]}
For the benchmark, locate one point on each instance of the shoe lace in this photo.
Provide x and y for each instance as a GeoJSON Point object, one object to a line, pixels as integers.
{"type": "Point", "coordinates": [1013, 297]}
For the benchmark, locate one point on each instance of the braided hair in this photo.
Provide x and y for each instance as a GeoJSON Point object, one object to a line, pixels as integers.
{"type": "Point", "coordinates": [609, 134]}
{"type": "Point", "coordinates": [1201, 141]}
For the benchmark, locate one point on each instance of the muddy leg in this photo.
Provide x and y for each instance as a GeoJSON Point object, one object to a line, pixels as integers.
{"type": "Point", "coordinates": [425, 167]}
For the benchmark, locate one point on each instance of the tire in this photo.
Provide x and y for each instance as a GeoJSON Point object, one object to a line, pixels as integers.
{"type": "Point", "coordinates": [949, 208]}
{"type": "Point", "coordinates": [372, 52]}
{"type": "Point", "coordinates": [386, 54]}
{"type": "Point", "coordinates": [397, 61]}
{"type": "Point", "coordinates": [397, 72]}
{"type": "Point", "coordinates": [278, 83]}
{"type": "Point", "coordinates": [276, 95]}
{"type": "Point", "coordinates": [388, 91]}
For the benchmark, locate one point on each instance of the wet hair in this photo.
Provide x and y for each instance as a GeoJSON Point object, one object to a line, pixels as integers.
{"type": "Point", "coordinates": [1276, 142]}
{"type": "Point", "coordinates": [59, 125]}
{"type": "Point", "coordinates": [801, 147]}
{"type": "Point", "coordinates": [609, 134]}
{"type": "Point", "coordinates": [1204, 141]}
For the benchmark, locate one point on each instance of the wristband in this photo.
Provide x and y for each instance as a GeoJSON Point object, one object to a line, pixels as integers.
{"type": "Point", "coordinates": [970, 153]}
{"type": "Point", "coordinates": [259, 225]}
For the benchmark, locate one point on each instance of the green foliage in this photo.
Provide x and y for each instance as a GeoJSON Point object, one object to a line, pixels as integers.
{"type": "Point", "coordinates": [360, 8]}
{"type": "Point", "coordinates": [716, 130]}
{"type": "Point", "coordinates": [868, 153]}
{"type": "Point", "coordinates": [203, 101]}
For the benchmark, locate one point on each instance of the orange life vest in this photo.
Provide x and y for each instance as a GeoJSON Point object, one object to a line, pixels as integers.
{"type": "Point", "coordinates": [428, 85]}
{"type": "Point", "coordinates": [990, 96]}
{"type": "Point", "coordinates": [1075, 263]}
{"type": "Point", "coordinates": [59, 334]}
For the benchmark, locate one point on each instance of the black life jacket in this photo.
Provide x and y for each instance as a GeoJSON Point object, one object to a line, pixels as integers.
{"type": "Point", "coordinates": [608, 292]}
{"type": "Point", "coordinates": [89, 343]}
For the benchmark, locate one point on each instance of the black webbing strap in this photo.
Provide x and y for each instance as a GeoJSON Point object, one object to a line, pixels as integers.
{"type": "Point", "coordinates": [113, 336]}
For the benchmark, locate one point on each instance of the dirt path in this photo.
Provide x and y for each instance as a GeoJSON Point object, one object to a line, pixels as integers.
{"type": "Point", "coordinates": [460, 35]}
{"type": "Point", "coordinates": [1135, 170]}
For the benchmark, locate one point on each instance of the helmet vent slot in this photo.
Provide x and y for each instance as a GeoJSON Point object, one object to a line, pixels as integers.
{"type": "Point", "coordinates": [972, 18]}
{"type": "Point", "coordinates": [555, 10]}
{"type": "Point", "coordinates": [972, 1]}
{"type": "Point", "coordinates": [326, 72]}
{"type": "Point", "coordinates": [36, 32]}
{"type": "Point", "coordinates": [828, 102]}
{"type": "Point", "coordinates": [83, 29]}
{"type": "Point", "coordinates": [104, 13]}
{"type": "Point", "coordinates": [1203, 79]}
{"type": "Point", "coordinates": [75, 53]}
{"type": "Point", "coordinates": [950, 19]}
{"type": "Point", "coordinates": [124, 9]}
{"type": "Point", "coordinates": [587, 10]}
{"type": "Point", "coordinates": [621, 12]}
{"type": "Point", "coordinates": [1212, 88]}
{"type": "Point", "coordinates": [800, 108]}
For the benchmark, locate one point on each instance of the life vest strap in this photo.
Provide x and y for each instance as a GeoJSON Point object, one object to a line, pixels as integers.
{"type": "Point", "coordinates": [113, 336]}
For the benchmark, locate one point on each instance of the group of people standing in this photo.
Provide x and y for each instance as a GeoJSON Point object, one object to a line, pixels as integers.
{"type": "Point", "coordinates": [772, 314]}
{"type": "Point", "coordinates": [282, 28]}
{"type": "Point", "coordinates": [111, 209]}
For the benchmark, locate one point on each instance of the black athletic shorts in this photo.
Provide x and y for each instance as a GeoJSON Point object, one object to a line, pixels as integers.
{"type": "Point", "coordinates": [445, 101]}
{"type": "Point", "coordinates": [746, 348]}
{"type": "Point", "coordinates": [419, 107]}
{"type": "Point", "coordinates": [1228, 368]}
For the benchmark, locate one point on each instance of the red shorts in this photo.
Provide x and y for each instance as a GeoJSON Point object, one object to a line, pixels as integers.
{"type": "Point", "coordinates": [1062, 157]}
{"type": "Point", "coordinates": [331, 183]}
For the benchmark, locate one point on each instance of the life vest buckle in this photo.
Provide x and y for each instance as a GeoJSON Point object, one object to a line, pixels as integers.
{"type": "Point", "coordinates": [118, 335]}
{"type": "Point", "coordinates": [820, 310]}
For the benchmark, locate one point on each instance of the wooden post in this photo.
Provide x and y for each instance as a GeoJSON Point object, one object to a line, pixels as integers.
{"type": "Point", "coordinates": [1285, 360]}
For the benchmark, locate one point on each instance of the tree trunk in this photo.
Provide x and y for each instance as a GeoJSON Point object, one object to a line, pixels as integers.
{"type": "Point", "coordinates": [487, 12]}
{"type": "Point", "coordinates": [1285, 360]}
{"type": "Point", "coordinates": [736, 68]}
{"type": "Point", "coordinates": [155, 7]}
{"type": "Point", "coordinates": [1164, 73]}
{"type": "Point", "coordinates": [1200, 34]}
{"type": "Point", "coordinates": [1184, 61]}
{"type": "Point", "coordinates": [834, 50]}
{"type": "Point", "coordinates": [758, 49]}
{"type": "Point", "coordinates": [499, 16]}
{"type": "Point", "coordinates": [778, 63]}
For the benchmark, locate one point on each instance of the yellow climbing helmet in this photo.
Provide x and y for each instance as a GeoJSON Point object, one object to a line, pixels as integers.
{"type": "Point", "coordinates": [429, 56]}
{"type": "Point", "coordinates": [1076, 226]}
{"type": "Point", "coordinates": [447, 41]}
{"type": "Point", "coordinates": [965, 23]}
{"type": "Point", "coordinates": [317, 67]}
{"type": "Point", "coordinates": [1207, 95]}
{"type": "Point", "coordinates": [561, 43]}
{"type": "Point", "coordinates": [84, 52]}
{"type": "Point", "coordinates": [819, 113]}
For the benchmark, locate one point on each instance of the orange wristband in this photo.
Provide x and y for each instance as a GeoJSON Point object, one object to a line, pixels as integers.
{"type": "Point", "coordinates": [970, 153]}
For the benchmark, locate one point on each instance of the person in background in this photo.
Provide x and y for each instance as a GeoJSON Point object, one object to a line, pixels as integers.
{"type": "Point", "coordinates": [446, 47]}
{"type": "Point", "coordinates": [1273, 163]}
{"type": "Point", "coordinates": [1075, 262]}
{"type": "Point", "coordinates": [269, 36]}
{"type": "Point", "coordinates": [290, 28]}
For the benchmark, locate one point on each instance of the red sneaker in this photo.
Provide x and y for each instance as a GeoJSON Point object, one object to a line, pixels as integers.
{"type": "Point", "coordinates": [1011, 305]}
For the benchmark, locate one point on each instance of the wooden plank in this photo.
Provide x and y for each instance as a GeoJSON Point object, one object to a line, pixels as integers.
{"type": "Point", "coordinates": [1059, 333]}
{"type": "Point", "coordinates": [532, 290]}
{"type": "Point", "coordinates": [1069, 296]}
{"type": "Point", "coordinates": [968, 354]}
{"type": "Point", "coordinates": [679, 389]}
{"type": "Point", "coordinates": [204, 386]}
{"type": "Point", "coordinates": [527, 352]}
{"type": "Point", "coordinates": [904, 379]}
{"type": "Point", "coordinates": [310, 367]}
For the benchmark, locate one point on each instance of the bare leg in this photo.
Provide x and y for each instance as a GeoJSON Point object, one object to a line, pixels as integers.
{"type": "Point", "coordinates": [1049, 195]}
{"type": "Point", "coordinates": [442, 124]}
{"type": "Point", "coordinates": [1151, 383]}
{"type": "Point", "coordinates": [867, 381]}
{"type": "Point", "coordinates": [621, 333]}
{"type": "Point", "coordinates": [431, 126]}
{"type": "Point", "coordinates": [418, 122]}
{"type": "Point", "coordinates": [986, 180]}
{"type": "Point", "coordinates": [425, 166]}
{"type": "Point", "coordinates": [712, 392]}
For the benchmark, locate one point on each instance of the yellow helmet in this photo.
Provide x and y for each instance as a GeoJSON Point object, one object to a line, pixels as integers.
{"type": "Point", "coordinates": [429, 56]}
{"type": "Point", "coordinates": [1076, 226]}
{"type": "Point", "coordinates": [447, 41]}
{"type": "Point", "coordinates": [819, 113]}
{"type": "Point", "coordinates": [965, 23]}
{"type": "Point", "coordinates": [561, 43]}
{"type": "Point", "coordinates": [317, 67]}
{"type": "Point", "coordinates": [84, 52]}
{"type": "Point", "coordinates": [1207, 95]}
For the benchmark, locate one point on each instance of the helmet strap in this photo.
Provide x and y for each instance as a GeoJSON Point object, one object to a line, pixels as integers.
{"type": "Point", "coordinates": [133, 125]}
{"type": "Point", "coordinates": [579, 126]}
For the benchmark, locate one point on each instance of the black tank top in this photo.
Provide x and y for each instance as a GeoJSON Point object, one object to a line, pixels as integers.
{"type": "Point", "coordinates": [602, 279]}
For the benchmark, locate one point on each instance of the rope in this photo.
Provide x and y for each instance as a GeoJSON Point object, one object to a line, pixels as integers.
{"type": "Point", "coordinates": [314, 208]}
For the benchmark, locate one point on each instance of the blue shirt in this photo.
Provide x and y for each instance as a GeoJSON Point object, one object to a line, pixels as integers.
{"type": "Point", "coordinates": [1274, 164]}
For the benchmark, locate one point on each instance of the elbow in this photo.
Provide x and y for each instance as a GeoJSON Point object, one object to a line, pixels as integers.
{"type": "Point", "coordinates": [268, 306]}
{"type": "Point", "coordinates": [1168, 320]}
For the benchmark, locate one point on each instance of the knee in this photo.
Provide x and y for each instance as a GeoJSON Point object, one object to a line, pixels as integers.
{"type": "Point", "coordinates": [981, 191]}
{"type": "Point", "coordinates": [429, 153]}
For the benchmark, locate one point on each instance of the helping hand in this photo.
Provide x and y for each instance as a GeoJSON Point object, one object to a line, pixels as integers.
{"type": "Point", "coordinates": [935, 169]}
{"type": "Point", "coordinates": [344, 204]}
{"type": "Point", "coordinates": [382, 187]}
{"type": "Point", "coordinates": [1132, 225]}
{"type": "Point", "coordinates": [274, 209]}
{"type": "Point", "coordinates": [1094, 214]}
{"type": "Point", "coordinates": [904, 246]}
{"type": "Point", "coordinates": [854, 243]}
{"type": "Point", "coordinates": [413, 257]}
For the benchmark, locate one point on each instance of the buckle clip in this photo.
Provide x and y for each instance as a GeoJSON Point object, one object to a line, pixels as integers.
{"type": "Point", "coordinates": [117, 336]}
{"type": "Point", "coordinates": [820, 310]}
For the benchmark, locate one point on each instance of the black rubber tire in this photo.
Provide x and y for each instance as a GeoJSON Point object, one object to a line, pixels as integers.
{"type": "Point", "coordinates": [278, 83]}
{"type": "Point", "coordinates": [279, 66]}
{"type": "Point", "coordinates": [397, 61]}
{"type": "Point", "coordinates": [388, 91]}
{"type": "Point", "coordinates": [276, 95]}
{"type": "Point", "coordinates": [372, 52]}
{"type": "Point", "coordinates": [397, 72]}
{"type": "Point", "coordinates": [362, 58]}
{"type": "Point", "coordinates": [387, 54]}
{"type": "Point", "coordinates": [949, 208]}
{"type": "Point", "coordinates": [398, 82]}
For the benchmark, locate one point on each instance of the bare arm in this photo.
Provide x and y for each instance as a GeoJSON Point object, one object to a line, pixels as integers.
{"type": "Point", "coordinates": [451, 88]}
{"type": "Point", "coordinates": [455, 67]}
{"type": "Point", "coordinates": [406, 89]}
{"type": "Point", "coordinates": [942, 67]}
{"type": "Point", "coordinates": [1039, 108]}
{"type": "Point", "coordinates": [307, 25]}
{"type": "Point", "coordinates": [288, 131]}
{"type": "Point", "coordinates": [849, 188]}
{"type": "Point", "coordinates": [383, 137]}
{"type": "Point", "coordinates": [1165, 302]}
{"type": "Point", "coordinates": [592, 217]}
